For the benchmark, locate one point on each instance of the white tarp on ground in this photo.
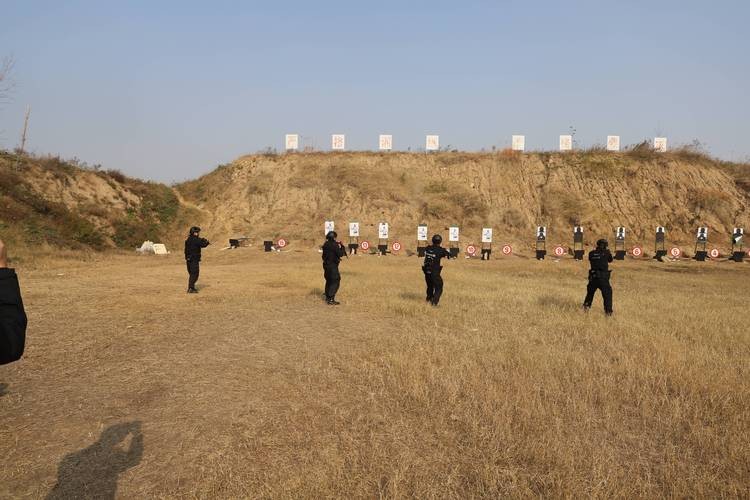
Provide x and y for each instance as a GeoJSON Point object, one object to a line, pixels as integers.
{"type": "Point", "coordinates": [146, 247]}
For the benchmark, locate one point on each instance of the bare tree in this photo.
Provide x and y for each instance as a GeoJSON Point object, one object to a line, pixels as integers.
{"type": "Point", "coordinates": [6, 84]}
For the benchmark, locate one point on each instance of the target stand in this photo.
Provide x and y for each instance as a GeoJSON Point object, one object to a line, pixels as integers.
{"type": "Point", "coordinates": [620, 251]}
{"type": "Point", "coordinates": [486, 251]}
{"type": "Point", "coordinates": [578, 243]}
{"type": "Point", "coordinates": [267, 245]}
{"type": "Point", "coordinates": [453, 237]}
{"type": "Point", "coordinates": [421, 239]}
{"type": "Point", "coordinates": [738, 253]}
{"type": "Point", "coordinates": [541, 242]}
{"type": "Point", "coordinates": [701, 241]}
{"type": "Point", "coordinates": [382, 246]}
{"type": "Point", "coordinates": [660, 251]}
{"type": "Point", "coordinates": [353, 245]}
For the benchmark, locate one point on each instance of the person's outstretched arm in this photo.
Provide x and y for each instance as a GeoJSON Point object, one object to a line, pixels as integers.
{"type": "Point", "coordinates": [12, 315]}
{"type": "Point", "coordinates": [204, 243]}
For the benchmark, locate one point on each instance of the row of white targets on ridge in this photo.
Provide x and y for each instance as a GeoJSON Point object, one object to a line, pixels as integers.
{"type": "Point", "coordinates": [432, 142]}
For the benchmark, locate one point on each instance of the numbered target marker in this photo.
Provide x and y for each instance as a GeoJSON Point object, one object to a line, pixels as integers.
{"type": "Point", "coordinates": [675, 252]}
{"type": "Point", "coordinates": [396, 246]}
{"type": "Point", "coordinates": [471, 250]}
{"type": "Point", "coordinates": [365, 245]}
{"type": "Point", "coordinates": [636, 252]}
{"type": "Point", "coordinates": [281, 243]}
{"type": "Point", "coordinates": [507, 250]}
{"type": "Point", "coordinates": [714, 253]}
{"type": "Point", "coordinates": [559, 251]}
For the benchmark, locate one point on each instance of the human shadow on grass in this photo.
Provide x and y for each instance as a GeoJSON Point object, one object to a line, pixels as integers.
{"type": "Point", "coordinates": [93, 471]}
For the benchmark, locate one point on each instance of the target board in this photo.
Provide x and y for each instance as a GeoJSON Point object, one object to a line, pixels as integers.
{"type": "Point", "coordinates": [636, 252]}
{"type": "Point", "coordinates": [365, 245]}
{"type": "Point", "coordinates": [714, 253]}
{"type": "Point", "coordinates": [471, 250]}
{"type": "Point", "coordinates": [507, 250]}
{"type": "Point", "coordinates": [675, 252]}
{"type": "Point", "coordinates": [396, 246]}
{"type": "Point", "coordinates": [559, 251]}
{"type": "Point", "coordinates": [281, 243]}
{"type": "Point", "coordinates": [383, 230]}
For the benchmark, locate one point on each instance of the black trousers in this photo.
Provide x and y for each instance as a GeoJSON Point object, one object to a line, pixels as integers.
{"type": "Point", "coordinates": [333, 280]}
{"type": "Point", "coordinates": [194, 270]}
{"type": "Point", "coordinates": [434, 285]}
{"type": "Point", "coordinates": [599, 284]}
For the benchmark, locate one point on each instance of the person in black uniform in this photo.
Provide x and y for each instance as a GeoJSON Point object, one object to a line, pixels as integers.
{"type": "Point", "coordinates": [332, 252]}
{"type": "Point", "coordinates": [431, 268]}
{"type": "Point", "coordinates": [599, 258]}
{"type": "Point", "coordinates": [193, 245]}
{"type": "Point", "coordinates": [12, 315]}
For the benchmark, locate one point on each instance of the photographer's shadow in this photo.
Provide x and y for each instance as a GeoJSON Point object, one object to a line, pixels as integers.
{"type": "Point", "coordinates": [93, 471]}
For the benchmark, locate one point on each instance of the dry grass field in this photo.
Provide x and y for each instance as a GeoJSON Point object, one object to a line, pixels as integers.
{"type": "Point", "coordinates": [256, 388]}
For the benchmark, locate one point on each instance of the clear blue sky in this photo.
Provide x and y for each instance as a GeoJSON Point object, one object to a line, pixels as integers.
{"type": "Point", "coordinates": [168, 90]}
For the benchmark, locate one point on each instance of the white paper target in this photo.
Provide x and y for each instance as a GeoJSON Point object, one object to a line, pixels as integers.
{"type": "Point", "coordinates": [660, 144]}
{"type": "Point", "coordinates": [421, 233]}
{"type": "Point", "coordinates": [702, 233]}
{"type": "Point", "coordinates": [385, 142]}
{"type": "Point", "coordinates": [737, 234]}
{"type": "Point", "coordinates": [338, 142]}
{"type": "Point", "coordinates": [566, 142]}
{"type": "Point", "coordinates": [578, 229]}
{"type": "Point", "coordinates": [541, 232]}
{"type": "Point", "coordinates": [518, 142]}
{"type": "Point", "coordinates": [613, 143]}
{"type": "Point", "coordinates": [383, 230]}
{"type": "Point", "coordinates": [354, 229]}
{"type": "Point", "coordinates": [291, 142]}
{"type": "Point", "coordinates": [432, 143]}
{"type": "Point", "coordinates": [328, 227]}
{"type": "Point", "coordinates": [487, 235]}
{"type": "Point", "coordinates": [453, 233]}
{"type": "Point", "coordinates": [620, 233]}
{"type": "Point", "coordinates": [660, 229]}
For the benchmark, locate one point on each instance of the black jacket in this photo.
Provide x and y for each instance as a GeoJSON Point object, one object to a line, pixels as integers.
{"type": "Point", "coordinates": [332, 253]}
{"type": "Point", "coordinates": [432, 256]}
{"type": "Point", "coordinates": [600, 259]}
{"type": "Point", "coordinates": [193, 245]}
{"type": "Point", "coordinates": [12, 318]}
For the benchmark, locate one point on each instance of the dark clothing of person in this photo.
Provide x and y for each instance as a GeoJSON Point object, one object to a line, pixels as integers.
{"type": "Point", "coordinates": [431, 268]}
{"type": "Point", "coordinates": [599, 279]}
{"type": "Point", "coordinates": [193, 246]}
{"type": "Point", "coordinates": [12, 318]}
{"type": "Point", "coordinates": [332, 253]}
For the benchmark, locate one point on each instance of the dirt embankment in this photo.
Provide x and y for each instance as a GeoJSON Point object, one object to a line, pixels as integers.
{"type": "Point", "coordinates": [268, 196]}
{"type": "Point", "coordinates": [46, 202]}
{"type": "Point", "coordinates": [49, 202]}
